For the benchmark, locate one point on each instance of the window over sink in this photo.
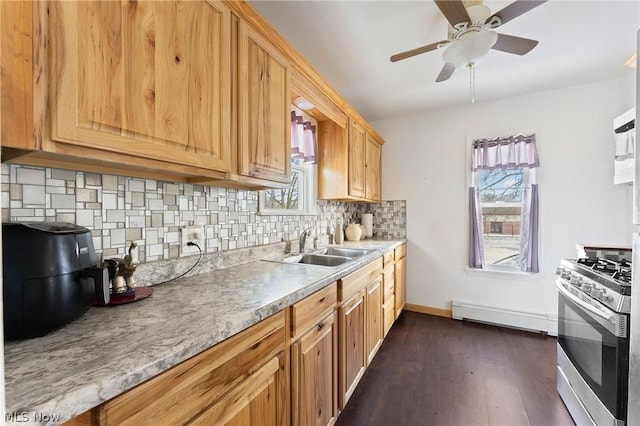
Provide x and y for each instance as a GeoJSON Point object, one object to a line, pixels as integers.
{"type": "Point", "coordinates": [299, 197]}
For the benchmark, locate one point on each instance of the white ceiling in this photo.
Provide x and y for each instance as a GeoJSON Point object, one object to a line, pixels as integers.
{"type": "Point", "coordinates": [349, 43]}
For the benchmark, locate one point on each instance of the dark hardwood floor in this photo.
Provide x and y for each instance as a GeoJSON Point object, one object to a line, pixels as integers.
{"type": "Point", "coordinates": [438, 371]}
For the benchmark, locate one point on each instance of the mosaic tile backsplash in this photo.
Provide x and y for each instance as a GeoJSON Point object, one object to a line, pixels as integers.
{"type": "Point", "coordinates": [121, 209]}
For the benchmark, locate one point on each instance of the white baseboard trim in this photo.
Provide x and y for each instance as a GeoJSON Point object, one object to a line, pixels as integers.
{"type": "Point", "coordinates": [545, 323]}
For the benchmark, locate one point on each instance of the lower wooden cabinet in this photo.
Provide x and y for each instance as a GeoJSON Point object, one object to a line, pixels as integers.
{"type": "Point", "coordinates": [353, 359]}
{"type": "Point", "coordinates": [298, 367]}
{"type": "Point", "coordinates": [373, 308]}
{"type": "Point", "coordinates": [314, 375]}
{"type": "Point", "coordinates": [240, 381]}
{"type": "Point", "coordinates": [400, 278]}
{"type": "Point", "coordinates": [260, 399]}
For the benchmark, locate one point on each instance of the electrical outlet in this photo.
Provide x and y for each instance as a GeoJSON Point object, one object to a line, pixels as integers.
{"type": "Point", "coordinates": [193, 234]}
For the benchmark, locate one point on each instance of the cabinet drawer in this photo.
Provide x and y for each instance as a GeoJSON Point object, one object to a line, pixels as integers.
{"type": "Point", "coordinates": [388, 259]}
{"type": "Point", "coordinates": [388, 283]}
{"type": "Point", "coordinates": [182, 392]}
{"type": "Point", "coordinates": [311, 310]}
{"type": "Point", "coordinates": [350, 284]}
{"type": "Point", "coordinates": [400, 252]}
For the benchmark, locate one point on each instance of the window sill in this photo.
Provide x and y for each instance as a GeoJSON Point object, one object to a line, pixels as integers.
{"type": "Point", "coordinates": [504, 274]}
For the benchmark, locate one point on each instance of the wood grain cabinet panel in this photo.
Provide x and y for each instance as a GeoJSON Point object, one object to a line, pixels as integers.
{"type": "Point", "coordinates": [314, 375]}
{"type": "Point", "coordinates": [357, 160]}
{"type": "Point", "coordinates": [374, 326]}
{"type": "Point", "coordinates": [353, 359]}
{"type": "Point", "coordinates": [373, 170]}
{"type": "Point", "coordinates": [148, 79]}
{"type": "Point", "coordinates": [264, 105]}
{"type": "Point", "coordinates": [400, 279]}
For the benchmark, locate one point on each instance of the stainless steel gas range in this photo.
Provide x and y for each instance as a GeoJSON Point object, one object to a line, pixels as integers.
{"type": "Point", "coordinates": [594, 302]}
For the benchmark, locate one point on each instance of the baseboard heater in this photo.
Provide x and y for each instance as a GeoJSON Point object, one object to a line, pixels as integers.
{"type": "Point", "coordinates": [532, 321]}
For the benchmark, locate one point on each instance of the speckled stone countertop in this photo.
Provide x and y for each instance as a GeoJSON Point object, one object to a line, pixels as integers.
{"type": "Point", "coordinates": [109, 350]}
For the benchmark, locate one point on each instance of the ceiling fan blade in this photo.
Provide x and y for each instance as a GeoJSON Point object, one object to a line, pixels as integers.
{"type": "Point", "coordinates": [453, 10]}
{"type": "Point", "coordinates": [515, 45]}
{"type": "Point", "coordinates": [446, 72]}
{"type": "Point", "coordinates": [417, 51]}
{"type": "Point", "coordinates": [515, 9]}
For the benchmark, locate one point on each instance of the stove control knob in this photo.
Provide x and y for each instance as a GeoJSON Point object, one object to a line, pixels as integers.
{"type": "Point", "coordinates": [598, 293]}
{"type": "Point", "coordinates": [576, 280]}
{"type": "Point", "coordinates": [587, 287]}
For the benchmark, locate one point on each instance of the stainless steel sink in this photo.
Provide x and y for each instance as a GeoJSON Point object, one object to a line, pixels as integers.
{"type": "Point", "coordinates": [342, 251]}
{"type": "Point", "coordinates": [318, 259]}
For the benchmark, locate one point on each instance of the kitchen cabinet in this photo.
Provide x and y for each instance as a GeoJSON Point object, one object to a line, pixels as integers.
{"type": "Point", "coordinates": [374, 324]}
{"type": "Point", "coordinates": [349, 166]}
{"type": "Point", "coordinates": [357, 160]}
{"type": "Point", "coordinates": [353, 359]}
{"type": "Point", "coordinates": [360, 325]}
{"type": "Point", "coordinates": [264, 120]}
{"type": "Point", "coordinates": [388, 283]}
{"type": "Point", "coordinates": [184, 91]}
{"type": "Point", "coordinates": [314, 359]}
{"type": "Point", "coordinates": [150, 80]}
{"type": "Point", "coordinates": [373, 168]}
{"type": "Point", "coordinates": [242, 380]}
{"type": "Point", "coordinates": [400, 278]}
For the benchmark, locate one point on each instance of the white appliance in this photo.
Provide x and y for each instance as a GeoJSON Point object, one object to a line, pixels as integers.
{"type": "Point", "coordinates": [625, 136]}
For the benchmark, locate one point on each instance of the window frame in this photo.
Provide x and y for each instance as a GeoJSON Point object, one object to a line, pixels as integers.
{"type": "Point", "coordinates": [307, 193]}
{"type": "Point", "coordinates": [530, 178]}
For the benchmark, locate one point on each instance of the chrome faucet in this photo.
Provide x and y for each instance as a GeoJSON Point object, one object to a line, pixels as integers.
{"type": "Point", "coordinates": [303, 239]}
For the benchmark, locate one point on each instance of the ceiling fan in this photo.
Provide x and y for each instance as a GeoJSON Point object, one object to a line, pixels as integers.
{"type": "Point", "coordinates": [471, 34]}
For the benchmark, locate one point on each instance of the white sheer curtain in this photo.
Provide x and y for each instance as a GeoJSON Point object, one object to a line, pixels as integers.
{"type": "Point", "coordinates": [303, 139]}
{"type": "Point", "coordinates": [506, 152]}
{"type": "Point", "coordinates": [476, 240]}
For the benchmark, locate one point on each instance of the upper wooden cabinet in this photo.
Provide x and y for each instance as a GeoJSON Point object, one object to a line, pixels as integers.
{"type": "Point", "coordinates": [149, 79]}
{"type": "Point", "coordinates": [188, 91]}
{"type": "Point", "coordinates": [264, 110]}
{"type": "Point", "coordinates": [349, 166]}
{"type": "Point", "coordinates": [373, 169]}
{"type": "Point", "coordinates": [357, 160]}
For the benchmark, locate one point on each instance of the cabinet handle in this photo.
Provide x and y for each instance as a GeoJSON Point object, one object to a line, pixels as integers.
{"type": "Point", "coordinates": [320, 325]}
{"type": "Point", "coordinates": [322, 300]}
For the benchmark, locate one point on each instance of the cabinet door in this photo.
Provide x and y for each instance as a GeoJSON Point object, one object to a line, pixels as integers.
{"type": "Point", "coordinates": [373, 170]}
{"type": "Point", "coordinates": [314, 375]}
{"type": "Point", "coordinates": [351, 346]}
{"type": "Point", "coordinates": [264, 121]}
{"type": "Point", "coordinates": [259, 400]}
{"type": "Point", "coordinates": [149, 79]}
{"type": "Point", "coordinates": [357, 160]}
{"type": "Point", "coordinates": [401, 285]}
{"type": "Point", "coordinates": [374, 326]}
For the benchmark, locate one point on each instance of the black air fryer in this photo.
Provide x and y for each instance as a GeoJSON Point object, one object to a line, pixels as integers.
{"type": "Point", "coordinates": [50, 277]}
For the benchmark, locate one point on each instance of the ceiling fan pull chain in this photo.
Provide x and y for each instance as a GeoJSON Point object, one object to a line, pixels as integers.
{"type": "Point", "coordinates": [472, 82]}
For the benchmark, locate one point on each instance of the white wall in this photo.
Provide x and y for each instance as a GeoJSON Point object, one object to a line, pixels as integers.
{"type": "Point", "coordinates": [425, 161]}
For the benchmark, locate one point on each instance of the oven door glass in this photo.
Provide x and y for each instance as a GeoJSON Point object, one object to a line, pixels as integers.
{"type": "Point", "coordinates": [601, 358]}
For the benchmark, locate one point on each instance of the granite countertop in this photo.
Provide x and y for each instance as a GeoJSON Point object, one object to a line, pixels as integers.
{"type": "Point", "coordinates": [109, 350]}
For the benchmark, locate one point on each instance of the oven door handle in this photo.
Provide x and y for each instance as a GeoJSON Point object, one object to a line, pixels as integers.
{"type": "Point", "coordinates": [584, 305]}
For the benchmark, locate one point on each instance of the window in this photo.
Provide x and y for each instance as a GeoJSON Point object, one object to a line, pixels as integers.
{"type": "Point", "coordinates": [501, 204]}
{"type": "Point", "coordinates": [503, 201]}
{"type": "Point", "coordinates": [299, 198]}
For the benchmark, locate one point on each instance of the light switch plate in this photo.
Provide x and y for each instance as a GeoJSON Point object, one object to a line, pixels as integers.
{"type": "Point", "coordinates": [194, 234]}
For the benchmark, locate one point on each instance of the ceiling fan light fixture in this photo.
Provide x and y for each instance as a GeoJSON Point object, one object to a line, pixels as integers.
{"type": "Point", "coordinates": [470, 48]}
